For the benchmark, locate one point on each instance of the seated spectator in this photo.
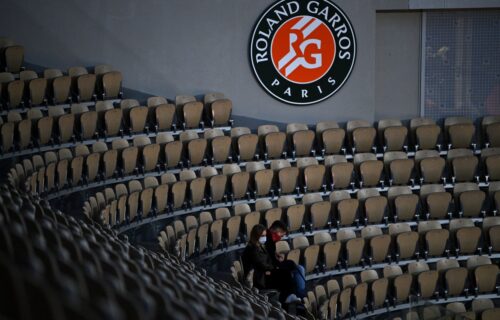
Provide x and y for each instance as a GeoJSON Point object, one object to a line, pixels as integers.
{"type": "Point", "coordinates": [274, 234]}
{"type": "Point", "coordinates": [266, 274]}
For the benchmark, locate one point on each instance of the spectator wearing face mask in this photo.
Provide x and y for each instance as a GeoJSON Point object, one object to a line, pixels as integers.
{"type": "Point", "coordinates": [266, 274]}
{"type": "Point", "coordinates": [274, 234]}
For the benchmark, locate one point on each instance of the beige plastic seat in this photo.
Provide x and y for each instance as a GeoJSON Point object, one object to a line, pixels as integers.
{"type": "Point", "coordinates": [14, 58]}
{"type": "Point", "coordinates": [210, 97]}
{"type": "Point", "coordinates": [196, 147]}
{"type": "Point", "coordinates": [314, 177]}
{"type": "Point", "coordinates": [138, 119]}
{"type": "Point", "coordinates": [146, 200]}
{"type": "Point", "coordinates": [165, 116]}
{"type": "Point", "coordinates": [467, 235]}
{"type": "Point", "coordinates": [150, 156]}
{"type": "Point", "coordinates": [360, 294]}
{"type": "Point", "coordinates": [426, 133]}
{"type": "Point", "coordinates": [263, 180]}
{"type": "Point", "coordinates": [361, 135]}
{"type": "Point", "coordinates": [220, 112]}
{"type": "Point", "coordinates": [87, 125]}
{"type": "Point", "coordinates": [272, 215]}
{"type": "Point", "coordinates": [403, 202]}
{"type": "Point", "coordinates": [369, 168]}
{"type": "Point", "coordinates": [406, 240]}
{"type": "Point", "coordinates": [436, 238]}
{"type": "Point", "coordinates": [202, 236]}
{"type": "Point", "coordinates": [178, 190]}
{"type": "Point", "coordinates": [492, 134]}
{"type": "Point", "coordinates": [288, 179]}
{"type": "Point", "coordinates": [250, 220]}
{"type": "Point", "coordinates": [61, 89]}
{"type": "Point", "coordinates": [464, 164]}
{"type": "Point", "coordinates": [217, 185]}
{"type": "Point", "coordinates": [331, 252]}
{"type": "Point", "coordinates": [355, 251]}
{"type": "Point", "coordinates": [245, 143]}
{"type": "Point", "coordinates": [486, 278]}
{"type": "Point", "coordinates": [374, 205]}
{"type": "Point", "coordinates": [173, 154]}
{"type": "Point", "coordinates": [491, 314]}
{"type": "Point", "coordinates": [156, 101]}
{"type": "Point", "coordinates": [37, 92]}
{"type": "Point", "coordinates": [111, 83]}
{"type": "Point", "coordinates": [431, 312]}
{"type": "Point", "coordinates": [437, 201]}
{"type": "Point", "coordinates": [399, 167]}
{"type": "Point", "coordinates": [161, 196]}
{"type": "Point", "coordinates": [347, 211]}
{"type": "Point", "coordinates": [460, 132]}
{"type": "Point", "coordinates": [113, 122]}
{"type": "Point", "coordinates": [239, 180]}
{"type": "Point", "coordinates": [273, 141]}
{"type": "Point", "coordinates": [311, 254]}
{"type": "Point", "coordinates": [7, 132]}
{"type": "Point", "coordinates": [492, 167]}
{"type": "Point", "coordinates": [321, 238]}
{"type": "Point", "coordinates": [430, 166]}
{"type": "Point", "coordinates": [456, 279]}
{"type": "Point", "coordinates": [393, 134]}
{"type": "Point", "coordinates": [15, 92]}
{"type": "Point", "coordinates": [52, 73]}
{"type": "Point", "coordinates": [86, 85]}
{"type": "Point", "coordinates": [27, 75]}
{"type": "Point", "coordinates": [45, 130]}
{"type": "Point", "coordinates": [345, 302]}
{"type": "Point", "coordinates": [341, 175]}
{"type": "Point", "coordinates": [330, 136]}
{"type": "Point", "coordinates": [402, 287]}
{"type": "Point", "coordinates": [302, 139]}
{"type": "Point", "coordinates": [469, 199]}
{"type": "Point", "coordinates": [263, 204]}
{"type": "Point", "coordinates": [295, 217]}
{"type": "Point", "coordinates": [379, 243]}
{"type": "Point", "coordinates": [220, 145]}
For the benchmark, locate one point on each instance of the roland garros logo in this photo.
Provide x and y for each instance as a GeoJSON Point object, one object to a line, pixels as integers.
{"type": "Point", "coordinates": [302, 52]}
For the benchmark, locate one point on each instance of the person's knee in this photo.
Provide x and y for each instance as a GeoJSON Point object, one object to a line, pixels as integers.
{"type": "Point", "coordinates": [301, 269]}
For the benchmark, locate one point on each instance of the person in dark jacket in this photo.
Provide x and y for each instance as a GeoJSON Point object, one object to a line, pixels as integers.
{"type": "Point", "coordinates": [266, 274]}
{"type": "Point", "coordinates": [274, 234]}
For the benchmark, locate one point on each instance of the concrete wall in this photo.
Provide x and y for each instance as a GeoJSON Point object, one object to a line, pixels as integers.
{"type": "Point", "coordinates": [397, 65]}
{"type": "Point", "coordinates": [197, 46]}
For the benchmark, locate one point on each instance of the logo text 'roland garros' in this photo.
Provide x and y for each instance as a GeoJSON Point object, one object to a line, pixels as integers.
{"type": "Point", "coordinates": [302, 52]}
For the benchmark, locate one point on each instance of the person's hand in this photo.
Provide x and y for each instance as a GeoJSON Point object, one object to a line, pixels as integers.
{"type": "Point", "coordinates": [268, 273]}
{"type": "Point", "coordinates": [280, 257]}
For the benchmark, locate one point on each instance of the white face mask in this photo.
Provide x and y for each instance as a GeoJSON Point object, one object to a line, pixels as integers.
{"type": "Point", "coordinates": [263, 239]}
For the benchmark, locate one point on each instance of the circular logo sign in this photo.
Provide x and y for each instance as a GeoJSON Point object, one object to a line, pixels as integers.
{"type": "Point", "coordinates": [302, 52]}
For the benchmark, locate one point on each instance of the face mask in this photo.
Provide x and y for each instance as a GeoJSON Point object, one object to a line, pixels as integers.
{"type": "Point", "coordinates": [275, 236]}
{"type": "Point", "coordinates": [263, 239]}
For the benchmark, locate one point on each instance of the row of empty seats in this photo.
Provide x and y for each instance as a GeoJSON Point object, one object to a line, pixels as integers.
{"type": "Point", "coordinates": [373, 293]}
{"type": "Point", "coordinates": [53, 87]}
{"type": "Point", "coordinates": [56, 267]}
{"type": "Point", "coordinates": [313, 213]}
{"type": "Point", "coordinates": [128, 118]}
{"type": "Point", "coordinates": [391, 287]}
{"type": "Point", "coordinates": [340, 209]}
{"type": "Point", "coordinates": [269, 142]}
{"type": "Point", "coordinates": [368, 206]}
{"type": "Point", "coordinates": [254, 179]}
